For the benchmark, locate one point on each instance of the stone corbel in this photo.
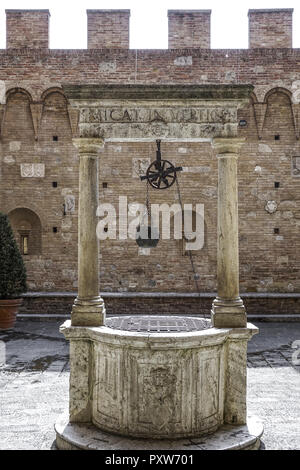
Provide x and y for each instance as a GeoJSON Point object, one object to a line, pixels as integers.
{"type": "Point", "coordinates": [74, 119]}
{"type": "Point", "coordinates": [260, 110]}
{"type": "Point", "coordinates": [2, 114]}
{"type": "Point", "coordinates": [296, 119]}
{"type": "Point", "coordinates": [36, 114]}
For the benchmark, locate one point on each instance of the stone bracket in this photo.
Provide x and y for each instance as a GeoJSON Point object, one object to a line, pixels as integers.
{"type": "Point", "coordinates": [36, 114]}
{"type": "Point", "coordinates": [74, 119]}
{"type": "Point", "coordinates": [296, 119]}
{"type": "Point", "coordinates": [260, 110]}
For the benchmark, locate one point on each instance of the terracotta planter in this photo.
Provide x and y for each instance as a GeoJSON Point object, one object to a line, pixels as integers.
{"type": "Point", "coordinates": [8, 313]}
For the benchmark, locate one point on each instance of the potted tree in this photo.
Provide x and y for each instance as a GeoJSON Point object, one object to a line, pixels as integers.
{"type": "Point", "coordinates": [12, 275]}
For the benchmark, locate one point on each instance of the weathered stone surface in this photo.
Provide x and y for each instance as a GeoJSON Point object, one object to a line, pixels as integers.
{"type": "Point", "coordinates": [88, 308]}
{"type": "Point", "coordinates": [73, 436]}
{"type": "Point", "coordinates": [159, 385]}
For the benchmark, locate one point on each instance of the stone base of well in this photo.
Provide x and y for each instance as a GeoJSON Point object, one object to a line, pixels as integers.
{"type": "Point", "coordinates": [74, 436]}
{"type": "Point", "coordinates": [158, 377]}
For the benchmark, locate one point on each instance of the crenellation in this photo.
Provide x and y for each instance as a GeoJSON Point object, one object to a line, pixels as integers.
{"type": "Point", "coordinates": [27, 29]}
{"type": "Point", "coordinates": [189, 28]}
{"type": "Point", "coordinates": [108, 29]}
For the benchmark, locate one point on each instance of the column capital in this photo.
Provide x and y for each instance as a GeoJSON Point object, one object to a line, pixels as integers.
{"type": "Point", "coordinates": [224, 145]}
{"type": "Point", "coordinates": [88, 146]}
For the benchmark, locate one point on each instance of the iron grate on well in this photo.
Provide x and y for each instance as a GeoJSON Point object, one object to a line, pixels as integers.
{"type": "Point", "coordinates": [158, 324]}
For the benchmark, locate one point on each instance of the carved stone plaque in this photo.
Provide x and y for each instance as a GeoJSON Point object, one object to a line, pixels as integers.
{"type": "Point", "coordinates": [32, 170]}
{"type": "Point", "coordinates": [70, 204]}
{"type": "Point", "coordinates": [140, 166]}
{"type": "Point", "coordinates": [296, 166]}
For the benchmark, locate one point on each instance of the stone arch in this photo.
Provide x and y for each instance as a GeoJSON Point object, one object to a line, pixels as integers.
{"type": "Point", "coordinates": [27, 228]}
{"type": "Point", "coordinates": [281, 90]}
{"type": "Point", "coordinates": [10, 92]}
{"type": "Point", "coordinates": [279, 120]}
{"type": "Point", "coordinates": [55, 123]}
{"type": "Point", "coordinates": [51, 90]}
{"type": "Point", "coordinates": [18, 125]}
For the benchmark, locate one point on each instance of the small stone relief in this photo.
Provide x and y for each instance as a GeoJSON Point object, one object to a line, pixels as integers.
{"type": "Point", "coordinates": [14, 146]}
{"type": "Point", "coordinates": [184, 60]}
{"type": "Point", "coordinates": [70, 204]}
{"type": "Point", "coordinates": [2, 92]}
{"type": "Point", "coordinates": [108, 67]}
{"type": "Point", "coordinates": [296, 91]}
{"type": "Point", "coordinates": [271, 207]}
{"type": "Point", "coordinates": [32, 170]}
{"type": "Point", "coordinates": [9, 160]}
{"type": "Point", "coordinates": [139, 166]}
{"type": "Point", "coordinates": [144, 251]}
{"type": "Point", "coordinates": [295, 166]}
{"type": "Point", "coordinates": [159, 386]}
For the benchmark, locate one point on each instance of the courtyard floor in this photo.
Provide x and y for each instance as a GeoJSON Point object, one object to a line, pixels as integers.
{"type": "Point", "coordinates": [34, 381]}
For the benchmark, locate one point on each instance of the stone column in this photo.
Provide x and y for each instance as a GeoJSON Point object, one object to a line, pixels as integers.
{"type": "Point", "coordinates": [228, 309]}
{"type": "Point", "coordinates": [88, 308]}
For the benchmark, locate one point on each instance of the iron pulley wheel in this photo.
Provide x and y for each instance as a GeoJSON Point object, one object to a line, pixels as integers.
{"type": "Point", "coordinates": [161, 174]}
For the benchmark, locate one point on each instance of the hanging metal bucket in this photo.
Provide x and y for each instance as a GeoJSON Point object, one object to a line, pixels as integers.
{"type": "Point", "coordinates": [147, 236]}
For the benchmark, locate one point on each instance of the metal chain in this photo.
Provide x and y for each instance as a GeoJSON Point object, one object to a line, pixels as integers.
{"type": "Point", "coordinates": [147, 198]}
{"type": "Point", "coordinates": [196, 275]}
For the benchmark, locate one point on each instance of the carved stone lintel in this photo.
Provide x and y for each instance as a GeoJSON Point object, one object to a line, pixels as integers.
{"type": "Point", "coordinates": [36, 114]}
{"type": "Point", "coordinates": [260, 110]}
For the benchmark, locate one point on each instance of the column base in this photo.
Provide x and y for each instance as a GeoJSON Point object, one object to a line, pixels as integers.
{"type": "Point", "coordinates": [88, 312]}
{"type": "Point", "coordinates": [228, 313]}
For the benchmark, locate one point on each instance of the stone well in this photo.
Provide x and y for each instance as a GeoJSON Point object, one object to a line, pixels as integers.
{"type": "Point", "coordinates": [158, 378]}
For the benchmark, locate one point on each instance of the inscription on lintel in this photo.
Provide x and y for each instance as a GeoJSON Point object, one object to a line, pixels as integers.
{"type": "Point", "coordinates": [158, 121]}
{"type": "Point", "coordinates": [158, 114]}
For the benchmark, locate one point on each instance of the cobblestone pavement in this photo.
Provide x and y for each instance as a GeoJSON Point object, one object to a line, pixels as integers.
{"type": "Point", "coordinates": [34, 384]}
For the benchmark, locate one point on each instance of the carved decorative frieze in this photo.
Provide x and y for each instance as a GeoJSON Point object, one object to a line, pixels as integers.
{"type": "Point", "coordinates": [157, 121]}
{"type": "Point", "coordinates": [152, 111]}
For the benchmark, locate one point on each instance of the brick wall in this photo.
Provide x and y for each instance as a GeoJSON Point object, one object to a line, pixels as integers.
{"type": "Point", "coordinates": [267, 305]}
{"type": "Point", "coordinates": [31, 160]}
{"type": "Point", "coordinates": [189, 28]}
{"type": "Point", "coordinates": [270, 28]}
{"type": "Point", "coordinates": [108, 29]}
{"type": "Point", "coordinates": [27, 28]}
